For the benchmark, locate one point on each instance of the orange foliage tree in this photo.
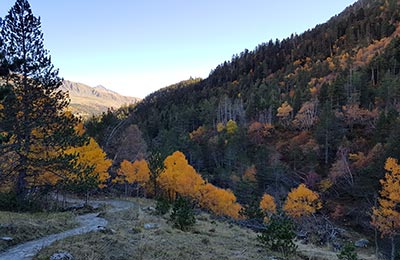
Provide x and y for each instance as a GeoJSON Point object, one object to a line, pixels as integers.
{"type": "Point", "coordinates": [302, 202]}
{"type": "Point", "coordinates": [285, 113]}
{"type": "Point", "coordinates": [180, 178]}
{"type": "Point", "coordinates": [268, 206]}
{"type": "Point", "coordinates": [129, 173]}
{"type": "Point", "coordinates": [93, 159]}
{"type": "Point", "coordinates": [386, 217]}
{"type": "Point", "coordinates": [219, 201]}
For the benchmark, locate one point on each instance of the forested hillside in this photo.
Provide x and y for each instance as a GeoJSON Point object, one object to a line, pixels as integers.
{"type": "Point", "coordinates": [320, 108]}
{"type": "Point", "coordinates": [299, 134]}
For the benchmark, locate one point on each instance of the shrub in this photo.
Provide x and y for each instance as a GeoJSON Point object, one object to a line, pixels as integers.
{"type": "Point", "coordinates": [348, 252]}
{"type": "Point", "coordinates": [162, 206]}
{"type": "Point", "coordinates": [182, 214]}
{"type": "Point", "coordinates": [279, 235]}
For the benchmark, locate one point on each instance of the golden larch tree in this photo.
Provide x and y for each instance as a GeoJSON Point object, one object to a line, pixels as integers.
{"type": "Point", "coordinates": [220, 201]}
{"type": "Point", "coordinates": [179, 177]}
{"type": "Point", "coordinates": [91, 155]}
{"type": "Point", "coordinates": [386, 217]}
{"type": "Point", "coordinates": [302, 202]}
{"type": "Point", "coordinates": [129, 173]}
{"type": "Point", "coordinates": [285, 113]}
{"type": "Point", "coordinates": [268, 206]}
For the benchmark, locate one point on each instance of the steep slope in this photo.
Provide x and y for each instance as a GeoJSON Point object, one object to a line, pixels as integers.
{"type": "Point", "coordinates": [87, 101]}
{"type": "Point", "coordinates": [320, 108]}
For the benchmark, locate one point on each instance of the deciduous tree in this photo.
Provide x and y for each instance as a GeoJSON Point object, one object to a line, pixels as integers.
{"type": "Point", "coordinates": [302, 202]}
{"type": "Point", "coordinates": [129, 173]}
{"type": "Point", "coordinates": [386, 217]}
{"type": "Point", "coordinates": [93, 160]}
{"type": "Point", "coordinates": [268, 206]}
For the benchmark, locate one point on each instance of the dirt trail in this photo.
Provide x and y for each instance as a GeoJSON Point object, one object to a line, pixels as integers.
{"type": "Point", "coordinates": [88, 222]}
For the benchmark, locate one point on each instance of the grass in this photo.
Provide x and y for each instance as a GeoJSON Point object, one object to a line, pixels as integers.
{"type": "Point", "coordinates": [24, 227]}
{"type": "Point", "coordinates": [208, 239]}
{"type": "Point", "coordinates": [211, 239]}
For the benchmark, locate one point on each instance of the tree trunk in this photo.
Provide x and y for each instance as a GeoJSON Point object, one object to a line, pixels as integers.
{"type": "Point", "coordinates": [326, 147]}
{"type": "Point", "coordinates": [376, 243]}
{"type": "Point", "coordinates": [392, 254]}
{"type": "Point", "coordinates": [87, 198]}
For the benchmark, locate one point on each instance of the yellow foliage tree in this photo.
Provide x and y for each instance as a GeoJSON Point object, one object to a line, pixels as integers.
{"type": "Point", "coordinates": [302, 202]}
{"type": "Point", "coordinates": [219, 201]}
{"type": "Point", "coordinates": [128, 173]}
{"type": "Point", "coordinates": [386, 217]}
{"type": "Point", "coordinates": [250, 174]}
{"type": "Point", "coordinates": [180, 178]}
{"type": "Point", "coordinates": [268, 206]}
{"type": "Point", "coordinates": [92, 156]}
{"type": "Point", "coordinates": [285, 113]}
{"type": "Point", "coordinates": [125, 174]}
{"type": "Point", "coordinates": [220, 127]}
{"type": "Point", "coordinates": [231, 127]}
{"type": "Point", "coordinates": [197, 134]}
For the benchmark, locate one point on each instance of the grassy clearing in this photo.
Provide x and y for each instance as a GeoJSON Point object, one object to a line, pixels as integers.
{"type": "Point", "coordinates": [127, 239]}
{"type": "Point", "coordinates": [23, 227]}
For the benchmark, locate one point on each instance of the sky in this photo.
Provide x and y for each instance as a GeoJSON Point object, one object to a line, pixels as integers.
{"type": "Point", "coordinates": [135, 47]}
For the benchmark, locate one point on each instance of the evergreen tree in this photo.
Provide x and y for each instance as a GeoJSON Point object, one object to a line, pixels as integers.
{"type": "Point", "coordinates": [35, 112]}
{"type": "Point", "coordinates": [279, 235]}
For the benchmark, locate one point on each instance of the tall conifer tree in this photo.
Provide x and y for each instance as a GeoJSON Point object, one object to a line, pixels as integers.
{"type": "Point", "coordinates": [35, 116]}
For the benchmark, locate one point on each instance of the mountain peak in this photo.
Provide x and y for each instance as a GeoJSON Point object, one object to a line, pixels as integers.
{"type": "Point", "coordinates": [87, 101]}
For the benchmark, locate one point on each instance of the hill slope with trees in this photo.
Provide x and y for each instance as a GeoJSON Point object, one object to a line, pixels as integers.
{"type": "Point", "coordinates": [320, 108]}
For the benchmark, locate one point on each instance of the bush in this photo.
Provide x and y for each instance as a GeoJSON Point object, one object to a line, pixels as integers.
{"type": "Point", "coordinates": [348, 252]}
{"type": "Point", "coordinates": [252, 211]}
{"type": "Point", "coordinates": [162, 206]}
{"type": "Point", "coordinates": [11, 202]}
{"type": "Point", "coordinates": [182, 214]}
{"type": "Point", "coordinates": [279, 235]}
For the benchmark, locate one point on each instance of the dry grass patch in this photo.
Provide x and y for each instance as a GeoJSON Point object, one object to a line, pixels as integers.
{"type": "Point", "coordinates": [128, 239]}
{"type": "Point", "coordinates": [24, 227]}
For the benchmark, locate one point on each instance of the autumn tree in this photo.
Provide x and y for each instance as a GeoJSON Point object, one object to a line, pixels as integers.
{"type": "Point", "coordinates": [268, 206]}
{"type": "Point", "coordinates": [307, 115]}
{"type": "Point", "coordinates": [179, 177]}
{"type": "Point", "coordinates": [258, 131]}
{"type": "Point", "coordinates": [220, 201]}
{"type": "Point", "coordinates": [285, 113]}
{"type": "Point", "coordinates": [386, 217]}
{"type": "Point", "coordinates": [302, 202]}
{"type": "Point", "coordinates": [34, 114]}
{"type": "Point", "coordinates": [129, 173]}
{"type": "Point", "coordinates": [93, 164]}
{"type": "Point", "coordinates": [231, 127]}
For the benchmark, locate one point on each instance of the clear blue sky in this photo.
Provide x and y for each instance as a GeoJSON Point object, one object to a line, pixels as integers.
{"type": "Point", "coordinates": [135, 47]}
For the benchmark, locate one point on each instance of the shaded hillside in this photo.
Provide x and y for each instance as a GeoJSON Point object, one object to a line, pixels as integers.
{"type": "Point", "coordinates": [87, 101]}
{"type": "Point", "coordinates": [320, 108]}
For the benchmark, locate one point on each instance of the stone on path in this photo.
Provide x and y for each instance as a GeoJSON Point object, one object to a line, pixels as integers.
{"type": "Point", "coordinates": [62, 256]}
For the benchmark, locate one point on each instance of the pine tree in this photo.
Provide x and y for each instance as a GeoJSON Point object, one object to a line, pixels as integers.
{"type": "Point", "coordinates": [35, 113]}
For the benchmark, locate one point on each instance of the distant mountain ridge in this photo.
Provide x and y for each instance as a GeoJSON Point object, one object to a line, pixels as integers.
{"type": "Point", "coordinates": [87, 101]}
